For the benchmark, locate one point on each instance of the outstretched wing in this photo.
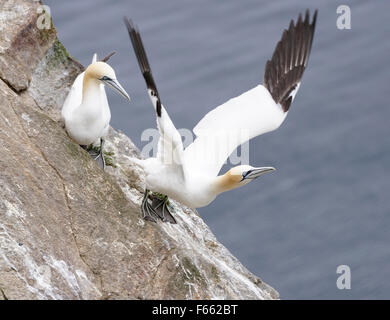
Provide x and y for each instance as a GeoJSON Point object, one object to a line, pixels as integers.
{"type": "Point", "coordinates": [170, 147]}
{"type": "Point", "coordinates": [257, 111]}
{"type": "Point", "coordinates": [284, 71]}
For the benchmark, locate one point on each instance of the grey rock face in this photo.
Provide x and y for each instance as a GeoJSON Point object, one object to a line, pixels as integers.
{"type": "Point", "coordinates": [68, 230]}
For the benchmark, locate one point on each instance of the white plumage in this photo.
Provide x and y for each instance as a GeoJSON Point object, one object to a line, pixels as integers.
{"type": "Point", "coordinates": [191, 175]}
{"type": "Point", "coordinates": [86, 118]}
{"type": "Point", "coordinates": [229, 125]}
{"type": "Point", "coordinates": [86, 112]}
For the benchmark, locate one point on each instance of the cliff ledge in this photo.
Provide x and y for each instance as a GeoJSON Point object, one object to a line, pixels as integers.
{"type": "Point", "coordinates": [68, 230]}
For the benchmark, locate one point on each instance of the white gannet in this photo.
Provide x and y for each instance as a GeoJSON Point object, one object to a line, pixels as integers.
{"type": "Point", "coordinates": [86, 112]}
{"type": "Point", "coordinates": [190, 176]}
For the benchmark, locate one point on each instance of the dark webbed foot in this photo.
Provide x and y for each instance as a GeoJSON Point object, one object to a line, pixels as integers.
{"type": "Point", "coordinates": [97, 153]}
{"type": "Point", "coordinates": [160, 204]}
{"type": "Point", "coordinates": [148, 212]}
{"type": "Point", "coordinates": [100, 158]}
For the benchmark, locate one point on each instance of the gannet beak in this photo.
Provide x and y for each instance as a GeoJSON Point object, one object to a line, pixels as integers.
{"type": "Point", "coordinates": [114, 84]}
{"type": "Point", "coordinates": [257, 172]}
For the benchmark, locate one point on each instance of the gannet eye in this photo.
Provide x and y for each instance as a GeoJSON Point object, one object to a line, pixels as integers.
{"type": "Point", "coordinates": [105, 78]}
{"type": "Point", "coordinates": [244, 174]}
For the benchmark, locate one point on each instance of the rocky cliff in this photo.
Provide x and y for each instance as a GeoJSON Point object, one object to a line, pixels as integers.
{"type": "Point", "coordinates": [68, 230]}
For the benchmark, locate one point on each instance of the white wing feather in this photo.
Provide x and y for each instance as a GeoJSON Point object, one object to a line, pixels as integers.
{"type": "Point", "coordinates": [228, 126]}
{"type": "Point", "coordinates": [74, 97]}
{"type": "Point", "coordinates": [170, 146]}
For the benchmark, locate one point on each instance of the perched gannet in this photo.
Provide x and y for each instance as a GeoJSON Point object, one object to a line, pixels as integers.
{"type": "Point", "coordinates": [86, 112]}
{"type": "Point", "coordinates": [190, 176]}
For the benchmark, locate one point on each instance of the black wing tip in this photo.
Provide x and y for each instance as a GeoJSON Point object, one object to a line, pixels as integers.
{"type": "Point", "coordinates": [131, 27]}
{"type": "Point", "coordinates": [142, 59]}
{"type": "Point", "coordinates": [284, 70]}
{"type": "Point", "coordinates": [314, 16]}
{"type": "Point", "coordinates": [129, 23]}
{"type": "Point", "coordinates": [140, 53]}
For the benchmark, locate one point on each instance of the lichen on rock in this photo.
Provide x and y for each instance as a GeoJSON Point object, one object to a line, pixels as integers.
{"type": "Point", "coordinates": [69, 230]}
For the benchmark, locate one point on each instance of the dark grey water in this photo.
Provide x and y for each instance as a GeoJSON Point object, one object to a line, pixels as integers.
{"type": "Point", "coordinates": [329, 202]}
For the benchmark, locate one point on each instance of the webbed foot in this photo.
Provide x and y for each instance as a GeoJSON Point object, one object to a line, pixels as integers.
{"type": "Point", "coordinates": [148, 212]}
{"type": "Point", "coordinates": [160, 204]}
{"type": "Point", "coordinates": [97, 153]}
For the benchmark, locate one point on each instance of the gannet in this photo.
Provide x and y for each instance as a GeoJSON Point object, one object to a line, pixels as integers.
{"type": "Point", "coordinates": [86, 112]}
{"type": "Point", "coordinates": [190, 175]}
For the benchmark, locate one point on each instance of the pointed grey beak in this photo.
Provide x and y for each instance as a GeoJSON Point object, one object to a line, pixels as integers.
{"type": "Point", "coordinates": [114, 84]}
{"type": "Point", "coordinates": [257, 172]}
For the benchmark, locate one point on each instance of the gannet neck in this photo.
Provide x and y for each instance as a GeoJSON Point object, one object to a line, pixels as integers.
{"type": "Point", "coordinates": [91, 89]}
{"type": "Point", "coordinates": [226, 182]}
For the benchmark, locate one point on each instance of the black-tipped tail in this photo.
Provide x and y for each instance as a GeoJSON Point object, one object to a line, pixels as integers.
{"type": "Point", "coordinates": [284, 71]}
{"type": "Point", "coordinates": [143, 62]}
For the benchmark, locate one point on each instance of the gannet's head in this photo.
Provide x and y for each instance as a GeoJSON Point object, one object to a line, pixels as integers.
{"type": "Point", "coordinates": [239, 176]}
{"type": "Point", "coordinates": [103, 72]}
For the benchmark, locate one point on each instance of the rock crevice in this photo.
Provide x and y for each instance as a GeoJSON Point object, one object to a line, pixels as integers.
{"type": "Point", "coordinates": [2, 295]}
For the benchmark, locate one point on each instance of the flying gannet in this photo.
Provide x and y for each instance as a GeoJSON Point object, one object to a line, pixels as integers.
{"type": "Point", "coordinates": [190, 175]}
{"type": "Point", "coordinates": [86, 112]}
